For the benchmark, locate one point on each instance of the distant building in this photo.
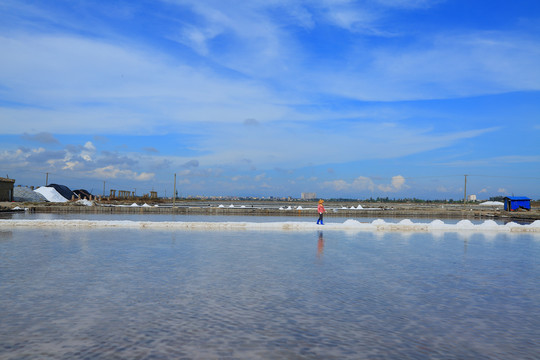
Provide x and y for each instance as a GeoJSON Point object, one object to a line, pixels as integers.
{"type": "Point", "coordinates": [6, 189]}
{"type": "Point", "coordinates": [308, 196]}
{"type": "Point", "coordinates": [514, 203]}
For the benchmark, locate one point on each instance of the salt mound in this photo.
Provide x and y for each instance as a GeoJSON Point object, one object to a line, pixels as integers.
{"type": "Point", "coordinates": [351, 222]}
{"type": "Point", "coordinates": [85, 202]}
{"type": "Point", "coordinates": [464, 224]}
{"type": "Point", "coordinates": [378, 222]}
{"type": "Point", "coordinates": [231, 206]}
{"type": "Point", "coordinates": [299, 208]}
{"type": "Point", "coordinates": [145, 205]}
{"type": "Point", "coordinates": [436, 223]}
{"type": "Point", "coordinates": [51, 194]}
{"type": "Point", "coordinates": [489, 223]}
{"type": "Point", "coordinates": [220, 205]}
{"type": "Point", "coordinates": [22, 194]}
{"type": "Point", "coordinates": [134, 205]}
{"type": "Point", "coordinates": [406, 222]}
{"type": "Point", "coordinates": [62, 190]}
{"type": "Point", "coordinates": [535, 224]}
{"type": "Point", "coordinates": [243, 206]}
{"type": "Point", "coordinates": [289, 208]}
{"type": "Point", "coordinates": [492, 203]}
{"type": "Point", "coordinates": [359, 206]}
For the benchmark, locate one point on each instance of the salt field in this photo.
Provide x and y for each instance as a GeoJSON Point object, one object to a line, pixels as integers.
{"type": "Point", "coordinates": [75, 286]}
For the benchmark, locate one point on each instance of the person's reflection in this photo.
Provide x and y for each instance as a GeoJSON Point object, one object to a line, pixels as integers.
{"type": "Point", "coordinates": [320, 245]}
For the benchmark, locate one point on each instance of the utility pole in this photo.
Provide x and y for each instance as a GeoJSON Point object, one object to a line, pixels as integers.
{"type": "Point", "coordinates": [174, 192]}
{"type": "Point", "coordinates": [46, 179]}
{"type": "Point", "coordinates": [465, 191]}
{"type": "Point", "coordinates": [104, 189]}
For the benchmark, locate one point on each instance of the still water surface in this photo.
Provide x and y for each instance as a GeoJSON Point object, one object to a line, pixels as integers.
{"type": "Point", "coordinates": [127, 293]}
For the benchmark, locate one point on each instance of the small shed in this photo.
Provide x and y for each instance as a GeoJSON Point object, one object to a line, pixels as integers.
{"type": "Point", "coordinates": [514, 203]}
{"type": "Point", "coordinates": [6, 189]}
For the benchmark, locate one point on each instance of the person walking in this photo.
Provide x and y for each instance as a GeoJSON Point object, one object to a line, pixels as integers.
{"type": "Point", "coordinates": [321, 210]}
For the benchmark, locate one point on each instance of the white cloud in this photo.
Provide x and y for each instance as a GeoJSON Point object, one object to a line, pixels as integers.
{"type": "Point", "coordinates": [112, 172]}
{"type": "Point", "coordinates": [130, 89]}
{"type": "Point", "coordinates": [89, 146]}
{"type": "Point", "coordinates": [363, 183]}
{"type": "Point", "coordinates": [397, 183]}
{"type": "Point", "coordinates": [260, 177]}
{"type": "Point", "coordinates": [502, 191]}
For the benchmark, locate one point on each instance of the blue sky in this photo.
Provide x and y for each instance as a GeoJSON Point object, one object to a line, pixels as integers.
{"type": "Point", "coordinates": [354, 99]}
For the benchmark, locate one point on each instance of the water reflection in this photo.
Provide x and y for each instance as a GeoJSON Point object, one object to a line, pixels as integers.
{"type": "Point", "coordinates": [125, 293]}
{"type": "Point", "coordinates": [320, 245]}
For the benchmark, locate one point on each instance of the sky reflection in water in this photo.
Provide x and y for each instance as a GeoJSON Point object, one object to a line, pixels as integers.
{"type": "Point", "coordinates": [109, 293]}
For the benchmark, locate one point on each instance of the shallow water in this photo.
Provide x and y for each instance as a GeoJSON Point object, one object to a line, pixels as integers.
{"type": "Point", "coordinates": [122, 293]}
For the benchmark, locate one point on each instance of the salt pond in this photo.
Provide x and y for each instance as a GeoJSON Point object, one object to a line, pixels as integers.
{"type": "Point", "coordinates": [167, 293]}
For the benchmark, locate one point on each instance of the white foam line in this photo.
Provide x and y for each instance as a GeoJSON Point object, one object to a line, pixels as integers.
{"type": "Point", "coordinates": [349, 225]}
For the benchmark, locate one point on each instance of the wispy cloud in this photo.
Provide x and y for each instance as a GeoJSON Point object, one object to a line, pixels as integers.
{"type": "Point", "coordinates": [42, 137]}
{"type": "Point", "coordinates": [509, 159]}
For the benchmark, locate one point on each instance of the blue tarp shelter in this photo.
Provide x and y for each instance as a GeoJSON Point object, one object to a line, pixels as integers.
{"type": "Point", "coordinates": [514, 203]}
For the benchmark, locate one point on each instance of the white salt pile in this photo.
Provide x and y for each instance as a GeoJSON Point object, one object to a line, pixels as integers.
{"type": "Point", "coordinates": [85, 202]}
{"type": "Point", "coordinates": [145, 205]}
{"type": "Point", "coordinates": [51, 194]}
{"type": "Point", "coordinates": [134, 205]}
{"type": "Point", "coordinates": [349, 225]}
{"type": "Point", "coordinates": [492, 203]}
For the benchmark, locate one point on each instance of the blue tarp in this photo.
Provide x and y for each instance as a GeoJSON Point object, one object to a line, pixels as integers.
{"type": "Point", "coordinates": [513, 203]}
